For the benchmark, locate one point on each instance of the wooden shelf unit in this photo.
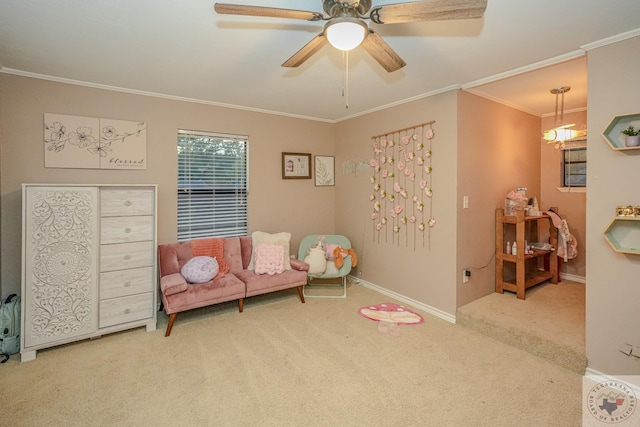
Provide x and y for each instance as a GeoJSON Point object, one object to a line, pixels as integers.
{"type": "Point", "coordinates": [527, 271]}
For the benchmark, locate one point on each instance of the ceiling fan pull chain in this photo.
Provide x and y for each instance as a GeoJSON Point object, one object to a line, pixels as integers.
{"type": "Point", "coordinates": [345, 89]}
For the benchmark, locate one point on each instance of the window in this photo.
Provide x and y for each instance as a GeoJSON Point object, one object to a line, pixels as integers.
{"type": "Point", "coordinates": [212, 185]}
{"type": "Point", "coordinates": [574, 167]}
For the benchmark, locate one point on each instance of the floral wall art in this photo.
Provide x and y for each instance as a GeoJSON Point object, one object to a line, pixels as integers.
{"type": "Point", "coordinates": [94, 143]}
{"type": "Point", "coordinates": [402, 185]}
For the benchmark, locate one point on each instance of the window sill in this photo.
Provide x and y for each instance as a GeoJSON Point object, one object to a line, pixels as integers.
{"type": "Point", "coordinates": [572, 189]}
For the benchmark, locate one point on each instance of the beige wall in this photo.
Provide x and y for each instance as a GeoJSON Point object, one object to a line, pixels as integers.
{"type": "Point", "coordinates": [275, 205]}
{"type": "Point", "coordinates": [572, 206]}
{"type": "Point", "coordinates": [498, 150]}
{"type": "Point", "coordinates": [613, 286]}
{"type": "Point", "coordinates": [428, 273]}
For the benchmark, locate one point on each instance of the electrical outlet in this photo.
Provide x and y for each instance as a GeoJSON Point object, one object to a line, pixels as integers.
{"type": "Point", "coordinates": [465, 275]}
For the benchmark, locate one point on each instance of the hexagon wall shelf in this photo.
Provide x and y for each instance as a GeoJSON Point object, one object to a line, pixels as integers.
{"type": "Point", "coordinates": [612, 134]}
{"type": "Point", "coordinates": [623, 234]}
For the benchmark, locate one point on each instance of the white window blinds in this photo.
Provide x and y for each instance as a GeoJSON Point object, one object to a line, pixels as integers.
{"type": "Point", "coordinates": [212, 185]}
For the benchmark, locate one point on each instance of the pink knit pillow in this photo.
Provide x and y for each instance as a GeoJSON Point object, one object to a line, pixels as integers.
{"type": "Point", "coordinates": [269, 259]}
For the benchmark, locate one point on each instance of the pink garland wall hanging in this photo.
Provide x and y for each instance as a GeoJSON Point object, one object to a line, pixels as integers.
{"type": "Point", "coordinates": [402, 184]}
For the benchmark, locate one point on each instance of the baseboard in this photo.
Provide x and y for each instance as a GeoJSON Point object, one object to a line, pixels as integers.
{"type": "Point", "coordinates": [632, 381]}
{"type": "Point", "coordinates": [406, 300]}
{"type": "Point", "coordinates": [573, 278]}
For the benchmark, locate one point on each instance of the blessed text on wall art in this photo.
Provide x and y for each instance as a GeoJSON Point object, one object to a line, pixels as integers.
{"type": "Point", "coordinates": [94, 143]}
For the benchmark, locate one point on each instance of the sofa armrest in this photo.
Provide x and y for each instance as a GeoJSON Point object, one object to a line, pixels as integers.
{"type": "Point", "coordinates": [296, 264]}
{"type": "Point", "coordinates": [173, 284]}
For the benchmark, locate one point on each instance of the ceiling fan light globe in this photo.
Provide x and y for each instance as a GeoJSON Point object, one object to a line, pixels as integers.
{"type": "Point", "coordinates": [345, 33]}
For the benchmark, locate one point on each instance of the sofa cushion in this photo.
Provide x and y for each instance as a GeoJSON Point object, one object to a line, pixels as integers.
{"type": "Point", "coordinates": [200, 269]}
{"type": "Point", "coordinates": [227, 288]}
{"type": "Point", "coordinates": [233, 254]}
{"type": "Point", "coordinates": [269, 259]}
{"type": "Point", "coordinates": [257, 284]}
{"type": "Point", "coordinates": [283, 239]}
{"type": "Point", "coordinates": [214, 248]}
{"type": "Point", "coordinates": [173, 256]}
{"type": "Point", "coordinates": [246, 249]}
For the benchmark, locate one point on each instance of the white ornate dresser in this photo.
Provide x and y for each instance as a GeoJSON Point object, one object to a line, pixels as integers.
{"type": "Point", "coordinates": [88, 262]}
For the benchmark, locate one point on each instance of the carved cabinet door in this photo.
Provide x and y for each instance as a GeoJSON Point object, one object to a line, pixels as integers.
{"type": "Point", "coordinates": [60, 265]}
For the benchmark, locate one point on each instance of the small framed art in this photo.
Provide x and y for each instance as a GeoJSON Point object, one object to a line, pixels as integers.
{"type": "Point", "coordinates": [296, 166]}
{"type": "Point", "coordinates": [325, 171]}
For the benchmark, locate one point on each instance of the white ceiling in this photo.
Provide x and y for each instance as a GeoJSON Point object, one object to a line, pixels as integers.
{"type": "Point", "coordinates": [184, 49]}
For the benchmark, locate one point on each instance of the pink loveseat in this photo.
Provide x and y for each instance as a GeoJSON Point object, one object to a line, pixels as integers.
{"type": "Point", "coordinates": [178, 295]}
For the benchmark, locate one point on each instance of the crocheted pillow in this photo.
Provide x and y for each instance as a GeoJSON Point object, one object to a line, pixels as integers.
{"type": "Point", "coordinates": [282, 239]}
{"type": "Point", "coordinates": [200, 269]}
{"type": "Point", "coordinates": [269, 259]}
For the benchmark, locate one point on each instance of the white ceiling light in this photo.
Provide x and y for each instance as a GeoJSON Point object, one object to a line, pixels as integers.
{"type": "Point", "coordinates": [345, 33]}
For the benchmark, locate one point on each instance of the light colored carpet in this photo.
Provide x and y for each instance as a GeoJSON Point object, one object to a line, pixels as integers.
{"type": "Point", "coordinates": [283, 363]}
{"type": "Point", "coordinates": [549, 323]}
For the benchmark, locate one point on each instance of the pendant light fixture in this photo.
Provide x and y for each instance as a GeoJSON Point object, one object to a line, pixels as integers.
{"type": "Point", "coordinates": [561, 133]}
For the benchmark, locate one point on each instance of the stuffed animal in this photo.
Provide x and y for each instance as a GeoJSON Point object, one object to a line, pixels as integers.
{"type": "Point", "coordinates": [339, 254]}
{"type": "Point", "coordinates": [316, 260]}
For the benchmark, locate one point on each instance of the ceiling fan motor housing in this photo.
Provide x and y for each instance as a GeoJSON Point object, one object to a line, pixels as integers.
{"type": "Point", "coordinates": [335, 8]}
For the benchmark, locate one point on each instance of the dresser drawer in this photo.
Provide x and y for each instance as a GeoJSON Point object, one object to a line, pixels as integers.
{"type": "Point", "coordinates": [121, 229]}
{"type": "Point", "coordinates": [120, 283]}
{"type": "Point", "coordinates": [122, 202]}
{"type": "Point", "coordinates": [125, 309]}
{"type": "Point", "coordinates": [126, 255]}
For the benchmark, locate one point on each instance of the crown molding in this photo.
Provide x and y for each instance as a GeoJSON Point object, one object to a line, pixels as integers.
{"type": "Point", "coordinates": [611, 40]}
{"type": "Point", "coordinates": [153, 94]}
{"type": "Point", "coordinates": [525, 69]}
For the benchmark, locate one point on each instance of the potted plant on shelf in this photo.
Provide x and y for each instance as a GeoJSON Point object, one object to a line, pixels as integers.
{"type": "Point", "coordinates": [632, 136]}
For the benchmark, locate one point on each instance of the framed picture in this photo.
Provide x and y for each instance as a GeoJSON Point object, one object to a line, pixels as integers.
{"type": "Point", "coordinates": [296, 166]}
{"type": "Point", "coordinates": [325, 171]}
{"type": "Point", "coordinates": [94, 143]}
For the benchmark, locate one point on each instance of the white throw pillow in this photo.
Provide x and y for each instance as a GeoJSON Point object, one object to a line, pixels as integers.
{"type": "Point", "coordinates": [200, 269]}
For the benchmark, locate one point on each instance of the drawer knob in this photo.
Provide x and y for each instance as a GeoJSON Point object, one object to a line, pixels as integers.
{"type": "Point", "coordinates": [127, 311]}
{"type": "Point", "coordinates": [127, 230]}
{"type": "Point", "coordinates": [127, 203]}
{"type": "Point", "coordinates": [127, 284]}
{"type": "Point", "coordinates": [127, 257]}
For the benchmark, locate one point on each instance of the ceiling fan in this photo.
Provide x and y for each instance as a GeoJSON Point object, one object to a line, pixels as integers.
{"type": "Point", "coordinates": [346, 29]}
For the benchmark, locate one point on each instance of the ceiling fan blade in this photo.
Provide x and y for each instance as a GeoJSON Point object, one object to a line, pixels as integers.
{"type": "Point", "coordinates": [307, 50]}
{"type": "Point", "coordinates": [432, 10]}
{"type": "Point", "coordinates": [382, 52]}
{"type": "Point", "coordinates": [235, 9]}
